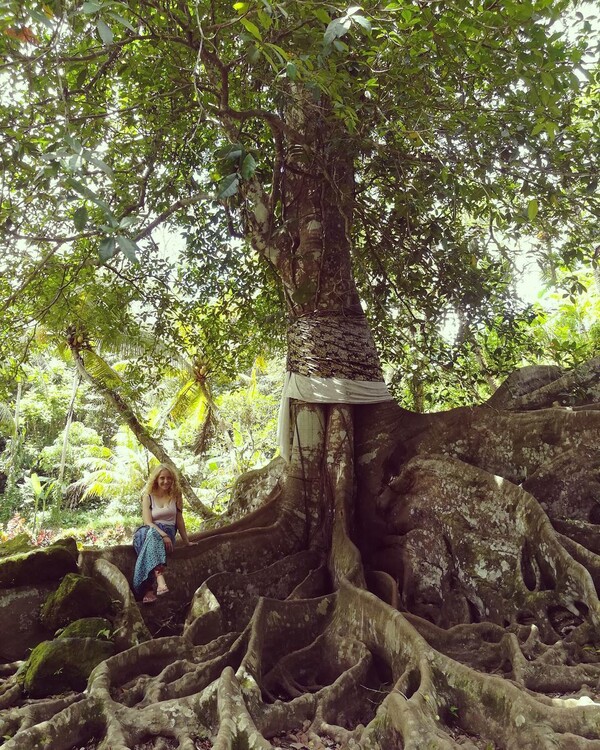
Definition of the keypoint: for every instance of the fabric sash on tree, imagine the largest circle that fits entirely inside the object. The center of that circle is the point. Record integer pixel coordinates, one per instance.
(331, 359)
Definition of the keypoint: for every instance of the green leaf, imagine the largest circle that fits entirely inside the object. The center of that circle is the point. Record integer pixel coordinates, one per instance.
(547, 80)
(362, 21)
(532, 209)
(36, 15)
(36, 485)
(337, 28)
(322, 15)
(228, 186)
(265, 19)
(91, 6)
(538, 127)
(107, 249)
(90, 195)
(230, 152)
(105, 33)
(248, 167)
(241, 7)
(123, 21)
(80, 218)
(252, 28)
(85, 191)
(100, 164)
(81, 77)
(291, 71)
(129, 248)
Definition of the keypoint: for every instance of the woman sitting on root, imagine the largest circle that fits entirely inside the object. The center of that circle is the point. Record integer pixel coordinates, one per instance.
(163, 518)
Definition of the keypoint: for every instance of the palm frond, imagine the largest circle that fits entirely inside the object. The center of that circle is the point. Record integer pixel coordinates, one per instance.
(205, 434)
(189, 398)
(7, 423)
(100, 370)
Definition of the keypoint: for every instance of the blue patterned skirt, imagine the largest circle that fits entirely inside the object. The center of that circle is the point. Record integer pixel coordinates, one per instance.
(150, 550)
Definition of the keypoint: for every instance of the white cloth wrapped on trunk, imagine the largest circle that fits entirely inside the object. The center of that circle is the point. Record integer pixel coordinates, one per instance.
(316, 390)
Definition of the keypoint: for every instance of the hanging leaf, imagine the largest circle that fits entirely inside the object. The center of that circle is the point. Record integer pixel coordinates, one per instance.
(532, 209)
(107, 249)
(248, 167)
(123, 21)
(322, 15)
(252, 28)
(105, 33)
(129, 248)
(231, 151)
(362, 21)
(337, 28)
(100, 164)
(228, 186)
(91, 7)
(80, 218)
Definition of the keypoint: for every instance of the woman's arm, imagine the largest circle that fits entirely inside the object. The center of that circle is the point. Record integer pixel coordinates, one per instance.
(181, 525)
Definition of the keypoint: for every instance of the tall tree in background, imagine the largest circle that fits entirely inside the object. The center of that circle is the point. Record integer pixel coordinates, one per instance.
(388, 155)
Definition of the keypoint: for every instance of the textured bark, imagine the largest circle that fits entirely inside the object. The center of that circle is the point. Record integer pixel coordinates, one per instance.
(402, 587)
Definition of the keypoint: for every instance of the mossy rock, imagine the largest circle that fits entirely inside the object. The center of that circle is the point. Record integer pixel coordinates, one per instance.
(63, 664)
(89, 627)
(77, 597)
(34, 566)
(16, 546)
(68, 543)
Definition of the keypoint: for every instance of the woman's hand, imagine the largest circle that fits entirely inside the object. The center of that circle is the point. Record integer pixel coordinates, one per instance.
(168, 543)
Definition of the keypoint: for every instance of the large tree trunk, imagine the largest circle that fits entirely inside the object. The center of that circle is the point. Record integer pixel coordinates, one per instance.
(416, 581)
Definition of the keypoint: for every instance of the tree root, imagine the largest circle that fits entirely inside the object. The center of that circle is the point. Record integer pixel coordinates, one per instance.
(478, 629)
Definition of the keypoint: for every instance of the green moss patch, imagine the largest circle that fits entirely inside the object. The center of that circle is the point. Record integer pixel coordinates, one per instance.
(16, 546)
(89, 627)
(63, 664)
(77, 597)
(31, 567)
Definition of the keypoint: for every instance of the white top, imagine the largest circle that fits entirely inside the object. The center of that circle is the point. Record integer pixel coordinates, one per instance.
(165, 513)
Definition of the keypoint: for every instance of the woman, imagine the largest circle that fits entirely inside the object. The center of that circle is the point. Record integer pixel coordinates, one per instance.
(163, 518)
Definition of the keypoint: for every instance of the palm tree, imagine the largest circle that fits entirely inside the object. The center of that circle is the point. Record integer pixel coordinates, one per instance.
(106, 381)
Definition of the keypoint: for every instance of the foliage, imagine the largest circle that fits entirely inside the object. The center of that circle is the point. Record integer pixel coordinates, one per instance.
(567, 328)
(471, 126)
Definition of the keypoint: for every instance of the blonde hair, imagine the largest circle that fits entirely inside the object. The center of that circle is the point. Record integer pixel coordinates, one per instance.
(150, 485)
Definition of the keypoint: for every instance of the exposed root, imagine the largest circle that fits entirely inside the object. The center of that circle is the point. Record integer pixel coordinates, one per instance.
(473, 623)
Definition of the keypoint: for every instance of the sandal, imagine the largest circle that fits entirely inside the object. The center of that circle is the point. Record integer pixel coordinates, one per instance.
(149, 597)
(161, 586)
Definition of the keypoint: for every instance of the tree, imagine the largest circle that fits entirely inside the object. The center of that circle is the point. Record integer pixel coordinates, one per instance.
(402, 556)
(105, 380)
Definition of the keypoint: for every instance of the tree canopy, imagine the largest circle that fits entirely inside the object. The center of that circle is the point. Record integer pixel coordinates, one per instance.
(471, 127)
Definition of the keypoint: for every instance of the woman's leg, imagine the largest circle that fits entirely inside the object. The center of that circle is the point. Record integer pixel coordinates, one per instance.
(161, 584)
